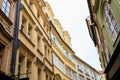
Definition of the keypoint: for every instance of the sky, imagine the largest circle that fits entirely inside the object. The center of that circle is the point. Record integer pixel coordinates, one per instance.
(72, 15)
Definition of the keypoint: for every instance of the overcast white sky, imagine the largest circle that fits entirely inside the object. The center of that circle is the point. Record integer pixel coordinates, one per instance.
(72, 15)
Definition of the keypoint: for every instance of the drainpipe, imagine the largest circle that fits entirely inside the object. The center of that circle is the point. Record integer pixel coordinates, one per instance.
(15, 38)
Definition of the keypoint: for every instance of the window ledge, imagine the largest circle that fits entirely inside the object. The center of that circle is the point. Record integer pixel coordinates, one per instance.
(28, 39)
(39, 51)
(6, 18)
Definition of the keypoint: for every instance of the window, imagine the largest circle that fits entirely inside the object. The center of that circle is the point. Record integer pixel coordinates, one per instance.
(92, 74)
(1, 52)
(22, 26)
(55, 40)
(45, 50)
(19, 67)
(61, 66)
(23, 23)
(38, 42)
(48, 56)
(119, 1)
(81, 77)
(28, 68)
(69, 72)
(87, 71)
(88, 79)
(29, 31)
(110, 22)
(79, 67)
(66, 53)
(74, 76)
(6, 7)
(55, 60)
(46, 77)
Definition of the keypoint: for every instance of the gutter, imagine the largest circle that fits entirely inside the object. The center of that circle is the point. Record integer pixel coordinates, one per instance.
(15, 38)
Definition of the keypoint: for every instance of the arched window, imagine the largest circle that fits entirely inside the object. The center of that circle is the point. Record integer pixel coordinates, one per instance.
(58, 77)
(110, 22)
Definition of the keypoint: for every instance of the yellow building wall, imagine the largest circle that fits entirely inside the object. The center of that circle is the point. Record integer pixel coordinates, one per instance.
(35, 45)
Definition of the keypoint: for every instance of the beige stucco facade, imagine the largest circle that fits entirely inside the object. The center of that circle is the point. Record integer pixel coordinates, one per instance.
(34, 57)
(6, 35)
(87, 72)
(44, 49)
(61, 50)
(63, 53)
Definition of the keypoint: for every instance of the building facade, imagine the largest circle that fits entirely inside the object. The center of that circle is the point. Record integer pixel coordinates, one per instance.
(85, 71)
(64, 67)
(104, 22)
(34, 46)
(7, 19)
(34, 52)
(62, 53)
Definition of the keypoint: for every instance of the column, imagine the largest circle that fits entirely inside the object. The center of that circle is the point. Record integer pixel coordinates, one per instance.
(24, 67)
(34, 34)
(42, 45)
(17, 62)
(43, 73)
(34, 70)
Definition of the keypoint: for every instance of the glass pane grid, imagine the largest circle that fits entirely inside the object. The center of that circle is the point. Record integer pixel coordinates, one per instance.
(6, 7)
(3, 9)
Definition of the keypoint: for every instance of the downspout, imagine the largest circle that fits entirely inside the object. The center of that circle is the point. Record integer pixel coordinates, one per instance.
(15, 38)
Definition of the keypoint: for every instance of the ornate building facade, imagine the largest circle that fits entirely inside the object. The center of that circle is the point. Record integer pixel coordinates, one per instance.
(33, 44)
(85, 71)
(34, 54)
(104, 28)
(7, 19)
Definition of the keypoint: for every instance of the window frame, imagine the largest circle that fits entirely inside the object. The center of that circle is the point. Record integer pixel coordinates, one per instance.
(119, 1)
(29, 31)
(6, 7)
(110, 21)
(2, 47)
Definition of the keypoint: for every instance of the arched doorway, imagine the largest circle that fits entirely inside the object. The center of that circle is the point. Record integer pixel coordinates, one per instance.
(57, 77)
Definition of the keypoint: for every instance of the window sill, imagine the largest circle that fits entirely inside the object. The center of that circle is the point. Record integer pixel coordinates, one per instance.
(48, 61)
(39, 51)
(27, 39)
(80, 70)
(5, 17)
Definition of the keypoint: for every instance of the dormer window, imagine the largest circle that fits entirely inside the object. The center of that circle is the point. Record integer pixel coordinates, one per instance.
(6, 7)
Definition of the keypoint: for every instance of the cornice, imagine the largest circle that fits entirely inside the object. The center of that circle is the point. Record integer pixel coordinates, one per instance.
(61, 37)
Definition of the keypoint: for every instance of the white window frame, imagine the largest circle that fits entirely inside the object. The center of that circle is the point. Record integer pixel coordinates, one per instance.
(55, 60)
(110, 22)
(6, 5)
(61, 66)
(119, 1)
